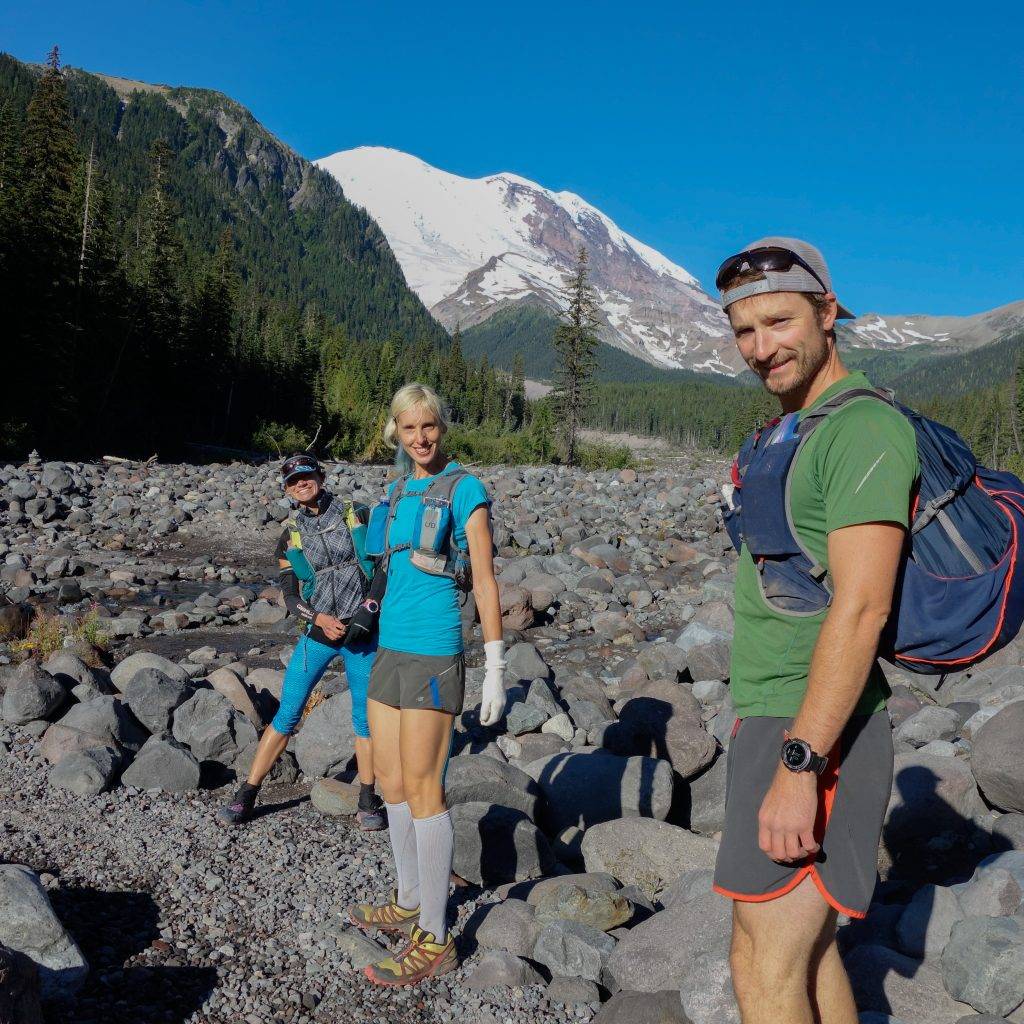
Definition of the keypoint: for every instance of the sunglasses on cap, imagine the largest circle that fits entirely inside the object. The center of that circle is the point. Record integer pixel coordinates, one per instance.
(772, 259)
(299, 465)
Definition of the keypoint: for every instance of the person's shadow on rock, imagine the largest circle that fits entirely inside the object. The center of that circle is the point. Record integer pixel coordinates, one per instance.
(926, 842)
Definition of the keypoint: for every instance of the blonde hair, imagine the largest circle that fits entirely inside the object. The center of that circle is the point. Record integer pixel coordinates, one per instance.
(410, 397)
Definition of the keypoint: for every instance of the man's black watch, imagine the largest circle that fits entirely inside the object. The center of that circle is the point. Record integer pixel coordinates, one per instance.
(797, 756)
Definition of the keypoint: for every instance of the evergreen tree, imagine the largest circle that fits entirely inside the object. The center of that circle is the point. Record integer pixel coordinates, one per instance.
(515, 403)
(43, 244)
(575, 345)
(453, 379)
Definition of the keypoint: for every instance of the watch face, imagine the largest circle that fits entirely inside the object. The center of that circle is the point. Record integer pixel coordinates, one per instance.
(795, 755)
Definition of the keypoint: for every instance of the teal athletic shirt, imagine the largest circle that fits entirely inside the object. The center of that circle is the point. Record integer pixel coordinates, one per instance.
(420, 612)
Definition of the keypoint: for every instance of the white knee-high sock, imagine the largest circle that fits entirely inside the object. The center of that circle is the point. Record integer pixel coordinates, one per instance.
(435, 849)
(403, 846)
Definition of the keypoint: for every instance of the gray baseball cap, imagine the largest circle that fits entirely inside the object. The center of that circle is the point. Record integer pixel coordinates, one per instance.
(796, 279)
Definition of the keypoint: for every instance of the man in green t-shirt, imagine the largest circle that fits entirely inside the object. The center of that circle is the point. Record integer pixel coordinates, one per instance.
(810, 761)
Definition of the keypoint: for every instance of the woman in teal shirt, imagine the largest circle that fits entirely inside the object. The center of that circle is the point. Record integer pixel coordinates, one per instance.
(436, 517)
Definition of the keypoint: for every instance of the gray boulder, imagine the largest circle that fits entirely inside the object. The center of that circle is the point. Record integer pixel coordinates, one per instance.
(326, 742)
(993, 893)
(996, 760)
(154, 697)
(573, 950)
(643, 1008)
(706, 991)
(654, 954)
(886, 981)
(523, 662)
(100, 722)
(1008, 831)
(707, 798)
(213, 730)
(927, 921)
(573, 992)
(125, 671)
(598, 787)
(707, 651)
(983, 964)
(29, 925)
(644, 852)
(87, 772)
(477, 778)
(494, 845)
(510, 926)
(71, 671)
(334, 797)
(928, 724)
(31, 694)
(499, 969)
(163, 764)
(524, 718)
(595, 908)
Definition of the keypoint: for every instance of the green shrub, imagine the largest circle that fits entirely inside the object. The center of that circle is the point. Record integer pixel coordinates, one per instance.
(279, 438)
(594, 455)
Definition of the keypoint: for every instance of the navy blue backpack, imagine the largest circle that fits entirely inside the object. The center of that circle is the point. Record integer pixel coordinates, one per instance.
(959, 595)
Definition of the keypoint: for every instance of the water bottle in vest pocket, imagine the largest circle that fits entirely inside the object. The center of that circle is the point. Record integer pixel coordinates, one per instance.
(430, 535)
(377, 530)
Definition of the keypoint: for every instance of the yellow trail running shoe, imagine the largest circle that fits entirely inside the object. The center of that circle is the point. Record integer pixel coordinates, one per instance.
(387, 918)
(424, 957)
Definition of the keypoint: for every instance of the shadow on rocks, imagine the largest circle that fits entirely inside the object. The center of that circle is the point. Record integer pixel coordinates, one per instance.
(924, 825)
(125, 984)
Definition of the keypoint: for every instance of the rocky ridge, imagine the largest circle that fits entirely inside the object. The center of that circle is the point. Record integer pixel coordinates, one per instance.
(586, 821)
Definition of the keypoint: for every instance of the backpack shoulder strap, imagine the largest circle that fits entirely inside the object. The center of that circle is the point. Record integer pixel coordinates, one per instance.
(813, 419)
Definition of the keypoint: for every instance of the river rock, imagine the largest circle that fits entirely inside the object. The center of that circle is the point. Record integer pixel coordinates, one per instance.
(154, 697)
(326, 742)
(886, 981)
(599, 787)
(994, 893)
(31, 694)
(927, 921)
(213, 730)
(87, 772)
(645, 852)
(601, 910)
(643, 1008)
(476, 777)
(334, 797)
(494, 845)
(19, 990)
(29, 925)
(707, 798)
(997, 761)
(102, 721)
(651, 956)
(125, 671)
(499, 969)
(927, 724)
(983, 963)
(511, 926)
(164, 764)
(573, 950)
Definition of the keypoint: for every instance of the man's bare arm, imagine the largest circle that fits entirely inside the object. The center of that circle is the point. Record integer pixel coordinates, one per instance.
(863, 563)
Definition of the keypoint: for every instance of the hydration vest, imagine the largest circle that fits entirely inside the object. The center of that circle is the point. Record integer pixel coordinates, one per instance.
(356, 518)
(959, 593)
(433, 548)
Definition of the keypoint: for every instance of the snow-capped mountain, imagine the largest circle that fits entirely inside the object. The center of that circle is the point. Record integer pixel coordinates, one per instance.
(951, 333)
(469, 247)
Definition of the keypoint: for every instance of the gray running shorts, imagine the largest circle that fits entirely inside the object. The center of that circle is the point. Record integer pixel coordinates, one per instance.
(854, 793)
(418, 681)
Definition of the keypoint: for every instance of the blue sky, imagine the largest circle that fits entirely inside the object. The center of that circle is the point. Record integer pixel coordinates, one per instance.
(892, 135)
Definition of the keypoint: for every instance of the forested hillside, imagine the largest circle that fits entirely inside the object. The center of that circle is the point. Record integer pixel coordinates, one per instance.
(172, 274)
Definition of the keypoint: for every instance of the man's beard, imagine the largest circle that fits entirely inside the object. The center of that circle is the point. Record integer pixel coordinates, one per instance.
(806, 363)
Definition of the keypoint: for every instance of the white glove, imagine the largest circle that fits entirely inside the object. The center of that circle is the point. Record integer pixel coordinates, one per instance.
(492, 704)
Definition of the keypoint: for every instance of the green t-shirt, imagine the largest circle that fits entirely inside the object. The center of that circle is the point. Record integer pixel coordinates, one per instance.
(858, 466)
